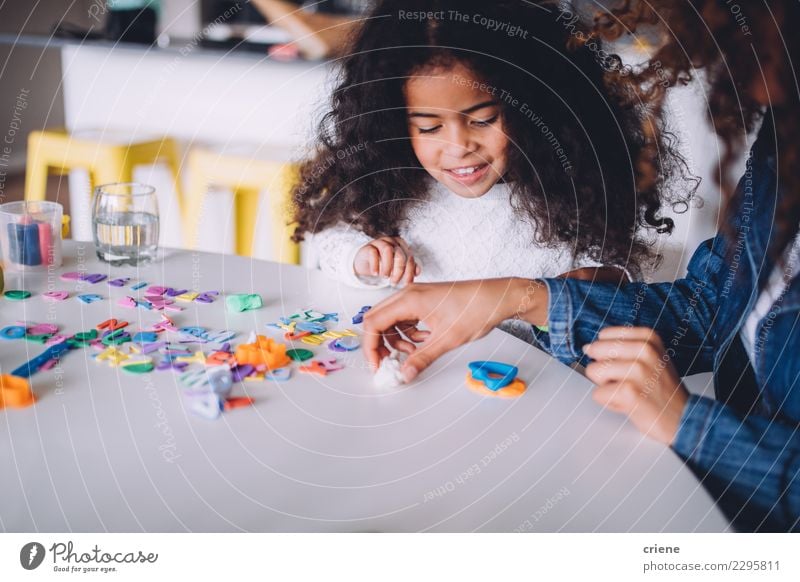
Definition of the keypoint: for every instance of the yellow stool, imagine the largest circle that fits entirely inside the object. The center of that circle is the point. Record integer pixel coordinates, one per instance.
(106, 162)
(246, 177)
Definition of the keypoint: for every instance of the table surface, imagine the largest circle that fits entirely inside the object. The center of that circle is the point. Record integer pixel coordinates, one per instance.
(104, 450)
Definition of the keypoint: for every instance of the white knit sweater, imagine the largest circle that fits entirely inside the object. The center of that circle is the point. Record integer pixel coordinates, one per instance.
(453, 239)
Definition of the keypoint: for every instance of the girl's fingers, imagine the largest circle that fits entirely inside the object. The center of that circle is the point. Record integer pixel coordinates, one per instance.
(366, 261)
(374, 259)
(405, 276)
(402, 244)
(410, 272)
(386, 251)
(398, 266)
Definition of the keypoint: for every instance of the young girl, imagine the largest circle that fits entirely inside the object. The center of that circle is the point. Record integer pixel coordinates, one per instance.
(466, 142)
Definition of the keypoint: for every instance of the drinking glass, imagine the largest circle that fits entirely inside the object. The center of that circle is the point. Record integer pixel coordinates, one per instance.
(125, 223)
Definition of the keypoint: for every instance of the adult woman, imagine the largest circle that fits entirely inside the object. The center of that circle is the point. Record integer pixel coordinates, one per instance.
(736, 312)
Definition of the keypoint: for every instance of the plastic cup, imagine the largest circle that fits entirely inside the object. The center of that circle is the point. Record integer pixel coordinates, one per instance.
(30, 235)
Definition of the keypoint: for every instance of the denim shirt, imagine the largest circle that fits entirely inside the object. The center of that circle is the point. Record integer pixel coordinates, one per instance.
(744, 445)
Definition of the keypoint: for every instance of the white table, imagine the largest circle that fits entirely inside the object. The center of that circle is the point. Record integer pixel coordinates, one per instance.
(103, 450)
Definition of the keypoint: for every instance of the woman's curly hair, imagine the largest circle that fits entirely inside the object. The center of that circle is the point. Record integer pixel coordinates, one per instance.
(730, 43)
(573, 141)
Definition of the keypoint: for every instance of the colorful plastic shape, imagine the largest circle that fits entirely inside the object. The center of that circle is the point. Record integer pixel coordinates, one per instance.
(90, 298)
(494, 375)
(127, 302)
(94, 278)
(29, 368)
(221, 359)
(219, 336)
(196, 358)
(344, 344)
(166, 324)
(220, 380)
(263, 351)
(116, 337)
(48, 328)
(279, 375)
(330, 364)
(112, 324)
(207, 297)
(56, 295)
(311, 327)
(513, 390)
(243, 302)
(208, 406)
(359, 317)
(314, 367)
(13, 332)
(144, 337)
(300, 355)
(239, 373)
(239, 402)
(16, 294)
(112, 355)
(15, 392)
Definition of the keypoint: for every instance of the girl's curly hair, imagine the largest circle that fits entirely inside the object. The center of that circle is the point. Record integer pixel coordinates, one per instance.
(573, 142)
(731, 44)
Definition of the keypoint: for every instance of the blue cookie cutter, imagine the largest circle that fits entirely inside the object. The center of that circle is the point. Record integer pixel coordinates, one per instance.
(481, 371)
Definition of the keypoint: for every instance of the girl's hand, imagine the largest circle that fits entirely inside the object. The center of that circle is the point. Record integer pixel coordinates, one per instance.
(453, 313)
(635, 376)
(388, 256)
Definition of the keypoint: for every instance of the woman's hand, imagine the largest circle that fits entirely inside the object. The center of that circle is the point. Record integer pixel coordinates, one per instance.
(635, 376)
(453, 313)
(388, 256)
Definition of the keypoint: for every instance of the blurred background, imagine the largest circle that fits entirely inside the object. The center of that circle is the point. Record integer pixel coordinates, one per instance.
(210, 101)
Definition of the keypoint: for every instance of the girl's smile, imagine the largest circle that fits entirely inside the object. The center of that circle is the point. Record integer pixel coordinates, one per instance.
(468, 175)
(456, 130)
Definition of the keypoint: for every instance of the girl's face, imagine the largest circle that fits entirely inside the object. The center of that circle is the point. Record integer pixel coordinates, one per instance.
(456, 129)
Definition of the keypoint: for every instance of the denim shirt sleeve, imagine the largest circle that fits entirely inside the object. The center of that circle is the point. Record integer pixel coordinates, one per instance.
(680, 311)
(753, 461)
